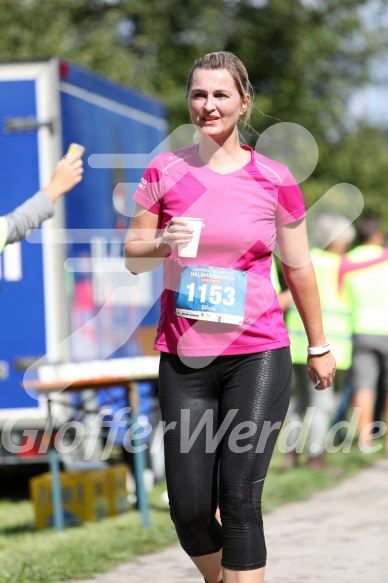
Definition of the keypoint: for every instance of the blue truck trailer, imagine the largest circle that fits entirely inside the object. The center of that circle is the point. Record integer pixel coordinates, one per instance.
(65, 296)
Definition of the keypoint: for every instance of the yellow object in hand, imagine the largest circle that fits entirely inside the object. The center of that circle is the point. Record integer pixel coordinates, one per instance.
(75, 149)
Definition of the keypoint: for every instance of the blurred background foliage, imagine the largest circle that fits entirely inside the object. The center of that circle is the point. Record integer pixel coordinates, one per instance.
(305, 59)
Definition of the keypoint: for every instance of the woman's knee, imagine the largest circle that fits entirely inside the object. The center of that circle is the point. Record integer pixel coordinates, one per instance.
(242, 505)
(186, 515)
(198, 531)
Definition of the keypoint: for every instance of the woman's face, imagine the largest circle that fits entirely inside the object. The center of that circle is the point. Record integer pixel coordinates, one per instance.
(214, 102)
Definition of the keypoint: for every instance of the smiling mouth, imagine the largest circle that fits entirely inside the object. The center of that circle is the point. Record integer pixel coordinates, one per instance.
(210, 118)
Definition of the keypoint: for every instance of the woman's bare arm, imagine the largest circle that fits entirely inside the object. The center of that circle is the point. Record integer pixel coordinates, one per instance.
(300, 277)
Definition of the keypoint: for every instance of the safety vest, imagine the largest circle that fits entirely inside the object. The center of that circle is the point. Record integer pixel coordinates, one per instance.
(367, 289)
(3, 232)
(336, 316)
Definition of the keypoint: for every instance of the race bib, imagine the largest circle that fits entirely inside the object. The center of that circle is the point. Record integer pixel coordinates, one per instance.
(215, 294)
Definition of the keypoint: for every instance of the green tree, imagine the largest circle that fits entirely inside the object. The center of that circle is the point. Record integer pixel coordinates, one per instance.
(360, 158)
(304, 57)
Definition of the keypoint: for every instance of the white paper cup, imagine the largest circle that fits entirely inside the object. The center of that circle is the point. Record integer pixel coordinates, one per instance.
(191, 249)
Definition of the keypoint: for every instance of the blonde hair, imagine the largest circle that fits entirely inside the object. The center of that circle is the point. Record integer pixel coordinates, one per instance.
(228, 61)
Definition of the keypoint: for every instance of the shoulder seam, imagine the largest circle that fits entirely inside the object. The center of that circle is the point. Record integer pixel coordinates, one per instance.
(258, 162)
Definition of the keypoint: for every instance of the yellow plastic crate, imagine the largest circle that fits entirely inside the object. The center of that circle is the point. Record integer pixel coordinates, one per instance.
(91, 494)
(116, 479)
(40, 493)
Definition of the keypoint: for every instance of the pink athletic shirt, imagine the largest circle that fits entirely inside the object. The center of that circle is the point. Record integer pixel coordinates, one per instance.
(241, 211)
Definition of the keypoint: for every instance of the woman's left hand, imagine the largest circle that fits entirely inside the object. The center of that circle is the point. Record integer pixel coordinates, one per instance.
(321, 370)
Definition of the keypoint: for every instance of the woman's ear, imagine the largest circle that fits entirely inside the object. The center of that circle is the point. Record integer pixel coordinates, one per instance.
(244, 103)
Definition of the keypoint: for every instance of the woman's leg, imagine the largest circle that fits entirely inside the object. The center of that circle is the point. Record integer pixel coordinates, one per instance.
(255, 390)
(257, 387)
(209, 566)
(189, 401)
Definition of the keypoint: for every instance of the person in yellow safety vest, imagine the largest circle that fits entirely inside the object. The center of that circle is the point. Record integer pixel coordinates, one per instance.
(338, 328)
(367, 288)
(29, 215)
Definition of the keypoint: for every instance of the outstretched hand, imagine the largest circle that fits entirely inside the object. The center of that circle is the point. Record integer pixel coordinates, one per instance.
(67, 174)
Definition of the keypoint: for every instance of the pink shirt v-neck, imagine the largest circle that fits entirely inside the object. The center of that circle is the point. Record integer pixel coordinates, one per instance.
(241, 211)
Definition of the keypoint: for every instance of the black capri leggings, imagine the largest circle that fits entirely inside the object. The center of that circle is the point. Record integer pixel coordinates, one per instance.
(250, 394)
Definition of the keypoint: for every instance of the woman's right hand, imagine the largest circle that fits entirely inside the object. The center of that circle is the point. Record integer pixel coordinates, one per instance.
(147, 245)
(176, 232)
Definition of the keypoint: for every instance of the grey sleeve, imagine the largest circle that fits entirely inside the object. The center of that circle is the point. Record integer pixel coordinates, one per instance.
(29, 215)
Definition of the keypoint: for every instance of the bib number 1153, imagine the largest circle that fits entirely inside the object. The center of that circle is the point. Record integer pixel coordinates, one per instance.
(214, 294)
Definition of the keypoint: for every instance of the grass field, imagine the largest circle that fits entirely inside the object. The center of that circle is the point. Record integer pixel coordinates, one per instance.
(31, 556)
